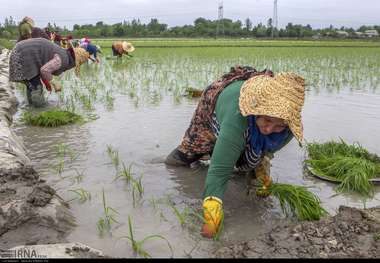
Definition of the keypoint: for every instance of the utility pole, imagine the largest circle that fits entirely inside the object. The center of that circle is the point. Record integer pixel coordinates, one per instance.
(220, 23)
(275, 18)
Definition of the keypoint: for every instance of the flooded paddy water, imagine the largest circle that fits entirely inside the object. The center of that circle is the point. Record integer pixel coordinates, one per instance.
(141, 113)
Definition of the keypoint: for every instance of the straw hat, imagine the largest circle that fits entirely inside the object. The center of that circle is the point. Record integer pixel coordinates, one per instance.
(81, 56)
(28, 20)
(281, 96)
(128, 47)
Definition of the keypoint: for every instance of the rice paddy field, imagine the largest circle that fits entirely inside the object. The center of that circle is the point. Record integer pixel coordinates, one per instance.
(111, 168)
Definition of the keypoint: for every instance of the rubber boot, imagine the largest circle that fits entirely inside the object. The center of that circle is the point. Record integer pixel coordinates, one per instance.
(35, 95)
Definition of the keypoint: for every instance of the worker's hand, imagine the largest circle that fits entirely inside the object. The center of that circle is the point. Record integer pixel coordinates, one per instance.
(56, 87)
(212, 215)
(262, 172)
(263, 191)
(47, 84)
(97, 60)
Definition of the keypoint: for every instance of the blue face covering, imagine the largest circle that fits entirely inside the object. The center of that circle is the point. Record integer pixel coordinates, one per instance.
(261, 143)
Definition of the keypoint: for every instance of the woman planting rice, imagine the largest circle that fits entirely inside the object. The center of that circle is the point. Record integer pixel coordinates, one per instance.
(241, 120)
(37, 59)
(122, 47)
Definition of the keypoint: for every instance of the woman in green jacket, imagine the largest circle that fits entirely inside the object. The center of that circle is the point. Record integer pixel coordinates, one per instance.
(240, 121)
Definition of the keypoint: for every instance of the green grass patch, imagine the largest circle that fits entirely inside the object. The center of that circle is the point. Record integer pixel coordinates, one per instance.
(51, 118)
(351, 165)
(5, 43)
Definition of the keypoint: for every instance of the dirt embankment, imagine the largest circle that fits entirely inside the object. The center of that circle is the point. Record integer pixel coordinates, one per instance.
(352, 233)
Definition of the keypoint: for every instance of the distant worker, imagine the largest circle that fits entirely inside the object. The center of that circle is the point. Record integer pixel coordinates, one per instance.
(83, 42)
(35, 60)
(93, 50)
(60, 40)
(27, 30)
(65, 41)
(122, 47)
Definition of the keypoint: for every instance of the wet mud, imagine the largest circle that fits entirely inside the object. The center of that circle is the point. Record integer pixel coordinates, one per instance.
(352, 233)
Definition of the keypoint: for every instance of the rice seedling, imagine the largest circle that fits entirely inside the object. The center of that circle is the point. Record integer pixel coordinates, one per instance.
(79, 176)
(134, 197)
(86, 102)
(220, 229)
(138, 186)
(63, 150)
(137, 245)
(70, 104)
(114, 156)
(296, 200)
(59, 167)
(109, 99)
(104, 223)
(81, 195)
(51, 118)
(350, 165)
(125, 173)
(137, 191)
(182, 216)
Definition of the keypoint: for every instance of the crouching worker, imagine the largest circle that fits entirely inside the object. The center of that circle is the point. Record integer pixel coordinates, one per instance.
(34, 61)
(122, 47)
(240, 121)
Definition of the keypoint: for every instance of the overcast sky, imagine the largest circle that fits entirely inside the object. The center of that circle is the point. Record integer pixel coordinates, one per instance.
(317, 13)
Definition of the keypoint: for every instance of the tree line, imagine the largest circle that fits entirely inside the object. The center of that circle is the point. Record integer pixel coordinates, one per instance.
(201, 28)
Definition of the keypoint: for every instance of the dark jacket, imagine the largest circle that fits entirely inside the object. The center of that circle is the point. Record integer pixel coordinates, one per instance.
(32, 54)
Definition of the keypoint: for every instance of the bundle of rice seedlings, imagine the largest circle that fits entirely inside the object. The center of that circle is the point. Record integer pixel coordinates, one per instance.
(351, 165)
(298, 201)
(51, 118)
(332, 148)
(193, 93)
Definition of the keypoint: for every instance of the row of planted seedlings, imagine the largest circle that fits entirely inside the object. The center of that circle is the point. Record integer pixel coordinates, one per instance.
(149, 78)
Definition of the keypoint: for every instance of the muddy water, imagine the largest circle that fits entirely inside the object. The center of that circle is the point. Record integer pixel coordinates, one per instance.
(145, 132)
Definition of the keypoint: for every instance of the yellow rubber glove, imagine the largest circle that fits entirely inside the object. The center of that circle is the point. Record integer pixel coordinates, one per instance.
(262, 172)
(212, 214)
